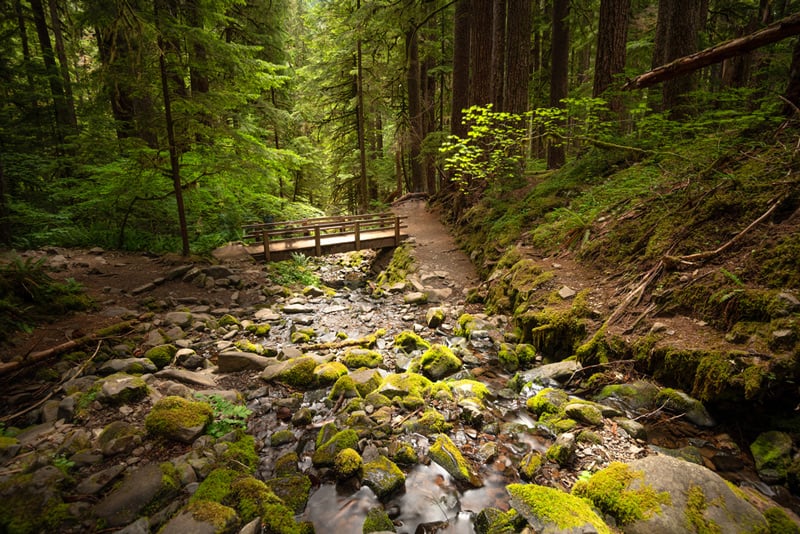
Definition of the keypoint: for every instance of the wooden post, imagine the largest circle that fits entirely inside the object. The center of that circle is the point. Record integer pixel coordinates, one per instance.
(358, 235)
(397, 231)
(266, 244)
(317, 244)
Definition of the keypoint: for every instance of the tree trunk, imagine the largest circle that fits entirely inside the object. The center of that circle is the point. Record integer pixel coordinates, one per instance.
(559, 74)
(428, 121)
(612, 40)
(62, 117)
(461, 55)
(498, 53)
(5, 224)
(480, 48)
(414, 111)
(174, 163)
(69, 100)
(363, 182)
(792, 93)
(26, 49)
(518, 52)
(684, 20)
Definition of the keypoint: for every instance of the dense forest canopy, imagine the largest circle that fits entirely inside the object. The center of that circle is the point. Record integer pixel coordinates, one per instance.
(167, 124)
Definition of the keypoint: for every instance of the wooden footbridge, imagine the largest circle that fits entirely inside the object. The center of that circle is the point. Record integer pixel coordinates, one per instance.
(324, 235)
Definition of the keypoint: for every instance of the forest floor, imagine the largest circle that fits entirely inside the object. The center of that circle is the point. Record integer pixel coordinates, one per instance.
(111, 279)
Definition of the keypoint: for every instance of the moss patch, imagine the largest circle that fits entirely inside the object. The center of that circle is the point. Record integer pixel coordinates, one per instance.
(171, 414)
(543, 506)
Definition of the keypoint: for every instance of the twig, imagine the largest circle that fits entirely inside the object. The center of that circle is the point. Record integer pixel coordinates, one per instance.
(605, 364)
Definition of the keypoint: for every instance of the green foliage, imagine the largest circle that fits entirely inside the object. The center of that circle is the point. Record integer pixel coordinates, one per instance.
(293, 272)
(227, 415)
(492, 152)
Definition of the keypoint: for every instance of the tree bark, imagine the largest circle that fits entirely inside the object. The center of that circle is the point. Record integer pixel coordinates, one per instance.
(792, 93)
(461, 55)
(414, 111)
(498, 53)
(518, 53)
(612, 40)
(559, 74)
(775, 32)
(58, 35)
(480, 48)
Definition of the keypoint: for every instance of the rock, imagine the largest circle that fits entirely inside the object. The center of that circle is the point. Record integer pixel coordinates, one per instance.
(137, 490)
(674, 496)
(187, 377)
(292, 489)
(434, 317)
(772, 453)
(439, 361)
(97, 481)
(161, 355)
(365, 380)
(679, 402)
(328, 373)
(189, 359)
(234, 361)
(178, 419)
(297, 372)
(122, 388)
(357, 358)
(445, 453)
(203, 517)
(347, 463)
(178, 318)
(547, 401)
(546, 374)
(584, 413)
(403, 384)
(417, 298)
(119, 437)
(633, 428)
(556, 512)
(297, 308)
(566, 292)
(267, 315)
(562, 450)
(377, 521)
(636, 396)
(383, 477)
(325, 454)
(127, 365)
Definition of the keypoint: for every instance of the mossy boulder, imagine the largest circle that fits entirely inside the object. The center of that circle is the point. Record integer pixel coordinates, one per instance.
(434, 317)
(296, 372)
(677, 401)
(281, 438)
(119, 437)
(228, 320)
(383, 477)
(329, 372)
(429, 423)
(240, 454)
(366, 380)
(550, 510)
(347, 463)
(122, 388)
(584, 413)
(530, 464)
(303, 335)
(547, 401)
(178, 419)
(377, 520)
(245, 345)
(638, 395)
(32, 502)
(260, 330)
(357, 358)
(253, 498)
(293, 490)
(345, 387)
(325, 454)
(403, 453)
(409, 341)
(772, 453)
(439, 361)
(555, 334)
(161, 355)
(402, 384)
(445, 453)
(466, 388)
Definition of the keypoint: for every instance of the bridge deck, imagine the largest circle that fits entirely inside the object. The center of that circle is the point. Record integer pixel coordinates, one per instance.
(325, 235)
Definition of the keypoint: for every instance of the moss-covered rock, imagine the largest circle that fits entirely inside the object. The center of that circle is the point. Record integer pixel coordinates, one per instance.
(357, 358)
(636, 395)
(366, 380)
(547, 401)
(161, 355)
(779, 521)
(383, 477)
(445, 453)
(325, 454)
(245, 345)
(121, 388)
(178, 418)
(345, 387)
(409, 341)
(260, 330)
(254, 499)
(610, 490)
(303, 335)
(329, 372)
(679, 402)
(402, 384)
(281, 438)
(377, 520)
(429, 423)
(296, 372)
(584, 413)
(547, 509)
(240, 454)
(347, 463)
(293, 490)
(403, 453)
(772, 453)
(530, 464)
(439, 361)
(465, 388)
(216, 487)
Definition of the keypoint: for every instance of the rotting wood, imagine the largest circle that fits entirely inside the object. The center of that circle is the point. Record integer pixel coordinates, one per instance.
(778, 31)
(34, 357)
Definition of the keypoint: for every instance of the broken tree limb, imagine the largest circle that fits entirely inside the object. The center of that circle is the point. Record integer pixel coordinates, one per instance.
(778, 31)
(34, 357)
(689, 259)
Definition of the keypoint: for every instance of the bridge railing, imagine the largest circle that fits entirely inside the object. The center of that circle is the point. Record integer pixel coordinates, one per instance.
(316, 233)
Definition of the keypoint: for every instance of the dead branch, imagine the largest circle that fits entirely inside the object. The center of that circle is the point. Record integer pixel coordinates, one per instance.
(703, 256)
(637, 292)
(34, 357)
(778, 31)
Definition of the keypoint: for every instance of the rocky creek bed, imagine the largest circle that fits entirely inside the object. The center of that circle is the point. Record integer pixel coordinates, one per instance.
(367, 404)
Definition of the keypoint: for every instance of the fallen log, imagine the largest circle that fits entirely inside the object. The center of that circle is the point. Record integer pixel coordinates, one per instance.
(777, 31)
(34, 357)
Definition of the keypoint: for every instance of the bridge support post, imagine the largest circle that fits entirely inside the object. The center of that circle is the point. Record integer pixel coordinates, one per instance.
(266, 245)
(358, 235)
(317, 244)
(397, 231)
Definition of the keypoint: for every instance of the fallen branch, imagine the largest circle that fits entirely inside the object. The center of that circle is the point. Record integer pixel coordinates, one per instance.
(637, 292)
(778, 31)
(34, 357)
(702, 256)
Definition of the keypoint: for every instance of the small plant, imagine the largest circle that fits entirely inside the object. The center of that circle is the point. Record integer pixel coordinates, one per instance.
(227, 415)
(63, 463)
(293, 272)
